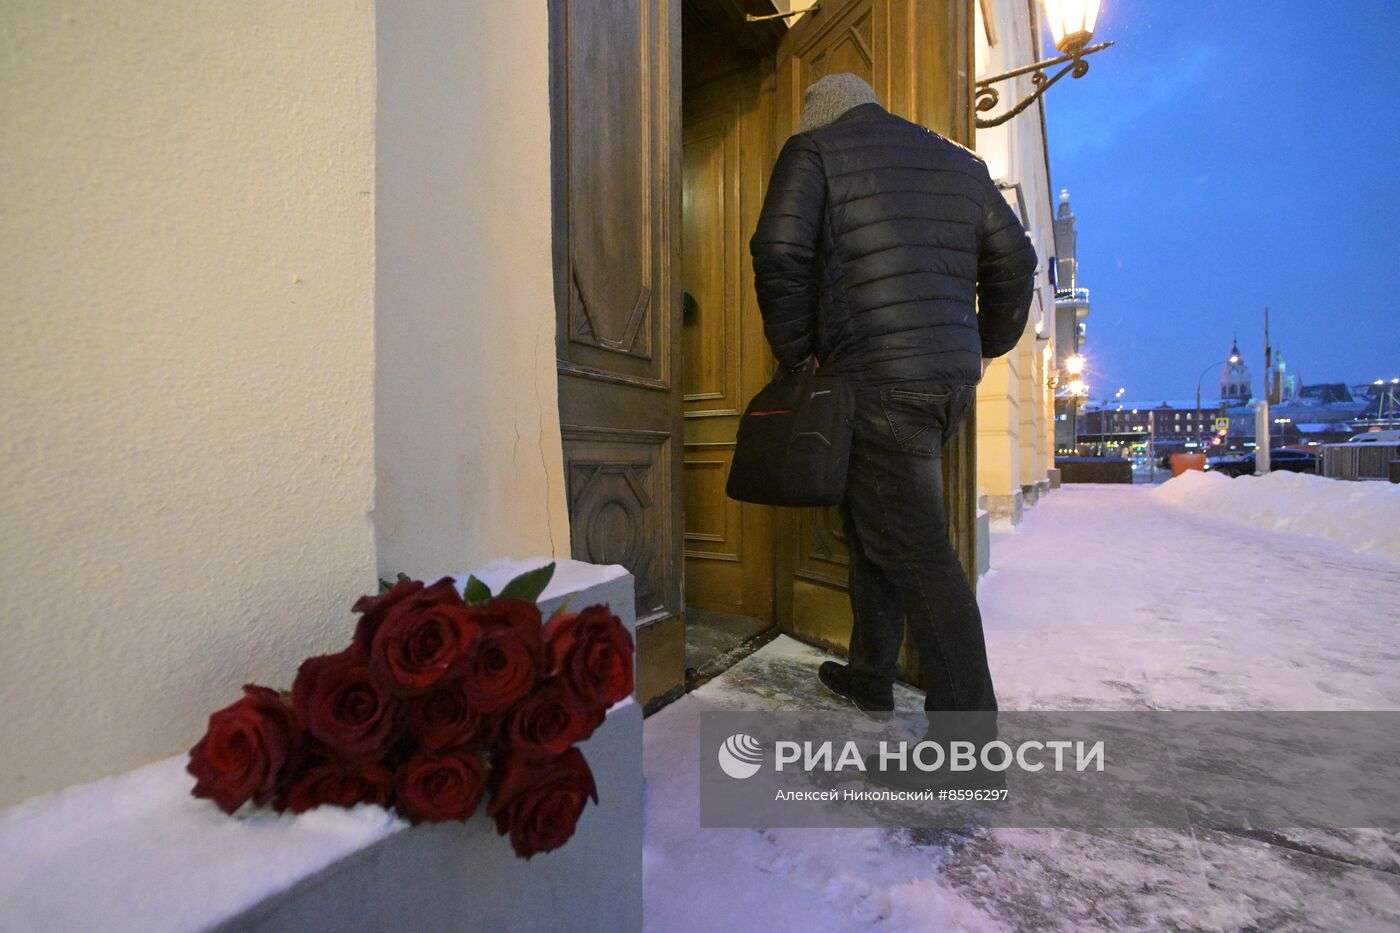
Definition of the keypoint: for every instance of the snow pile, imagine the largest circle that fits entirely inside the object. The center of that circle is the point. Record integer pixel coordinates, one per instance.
(136, 852)
(1363, 516)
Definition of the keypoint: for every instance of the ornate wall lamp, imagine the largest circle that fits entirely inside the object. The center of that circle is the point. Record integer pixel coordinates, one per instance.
(1072, 26)
(1072, 373)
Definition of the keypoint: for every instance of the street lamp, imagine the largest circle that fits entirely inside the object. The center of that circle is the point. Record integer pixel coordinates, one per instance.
(1072, 23)
(1074, 364)
(1072, 26)
(1200, 432)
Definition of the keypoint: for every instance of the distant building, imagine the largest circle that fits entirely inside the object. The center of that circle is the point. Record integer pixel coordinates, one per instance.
(1326, 393)
(1300, 415)
(1169, 424)
(1312, 416)
(1071, 311)
(1066, 241)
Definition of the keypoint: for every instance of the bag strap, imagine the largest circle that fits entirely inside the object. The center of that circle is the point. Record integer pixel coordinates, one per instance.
(828, 367)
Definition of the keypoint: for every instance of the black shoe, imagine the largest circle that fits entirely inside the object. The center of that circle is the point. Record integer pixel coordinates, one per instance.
(837, 678)
(913, 778)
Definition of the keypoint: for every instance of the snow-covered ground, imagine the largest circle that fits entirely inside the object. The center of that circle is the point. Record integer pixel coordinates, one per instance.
(1105, 597)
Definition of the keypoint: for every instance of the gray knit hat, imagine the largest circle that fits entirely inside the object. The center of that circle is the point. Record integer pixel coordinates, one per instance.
(827, 99)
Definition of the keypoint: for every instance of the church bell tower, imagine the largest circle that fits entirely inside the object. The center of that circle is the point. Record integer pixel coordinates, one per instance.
(1236, 387)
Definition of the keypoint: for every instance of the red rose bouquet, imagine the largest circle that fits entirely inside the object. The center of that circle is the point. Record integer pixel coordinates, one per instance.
(440, 701)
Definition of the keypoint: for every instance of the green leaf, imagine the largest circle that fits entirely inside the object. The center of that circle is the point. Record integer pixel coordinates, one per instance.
(476, 591)
(563, 608)
(530, 584)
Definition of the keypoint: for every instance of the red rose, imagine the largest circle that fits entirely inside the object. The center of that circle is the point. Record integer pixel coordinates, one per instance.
(340, 703)
(373, 609)
(445, 718)
(508, 657)
(414, 640)
(245, 751)
(592, 651)
(338, 783)
(539, 802)
(436, 788)
(550, 720)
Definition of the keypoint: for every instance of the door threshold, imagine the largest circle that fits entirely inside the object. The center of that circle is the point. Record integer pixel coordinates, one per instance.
(712, 668)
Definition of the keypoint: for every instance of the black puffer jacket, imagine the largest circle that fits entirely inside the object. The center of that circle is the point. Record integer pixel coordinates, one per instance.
(887, 249)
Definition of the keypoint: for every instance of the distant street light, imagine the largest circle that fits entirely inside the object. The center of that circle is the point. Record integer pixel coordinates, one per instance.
(1072, 25)
(1200, 422)
(1074, 365)
(1076, 390)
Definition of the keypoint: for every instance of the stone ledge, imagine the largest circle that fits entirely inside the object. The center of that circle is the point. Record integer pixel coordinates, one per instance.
(453, 877)
(983, 557)
(136, 852)
(1009, 507)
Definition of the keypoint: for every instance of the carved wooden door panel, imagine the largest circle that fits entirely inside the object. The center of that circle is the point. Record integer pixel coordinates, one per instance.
(726, 139)
(917, 56)
(614, 77)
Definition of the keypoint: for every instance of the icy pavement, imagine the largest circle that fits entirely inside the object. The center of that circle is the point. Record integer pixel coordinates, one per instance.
(1104, 598)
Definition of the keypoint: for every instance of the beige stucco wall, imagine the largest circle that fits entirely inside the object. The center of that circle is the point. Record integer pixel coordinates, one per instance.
(186, 379)
(470, 460)
(1013, 405)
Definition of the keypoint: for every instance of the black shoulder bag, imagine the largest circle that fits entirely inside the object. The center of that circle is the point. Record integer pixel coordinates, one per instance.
(794, 442)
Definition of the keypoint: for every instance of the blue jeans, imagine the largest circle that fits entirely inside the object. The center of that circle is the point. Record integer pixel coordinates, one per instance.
(903, 566)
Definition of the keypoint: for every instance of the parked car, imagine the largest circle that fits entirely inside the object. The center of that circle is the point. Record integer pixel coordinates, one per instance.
(1294, 461)
(1375, 437)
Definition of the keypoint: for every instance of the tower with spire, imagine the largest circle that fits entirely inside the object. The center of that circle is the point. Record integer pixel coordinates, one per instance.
(1283, 385)
(1066, 265)
(1236, 386)
(1071, 311)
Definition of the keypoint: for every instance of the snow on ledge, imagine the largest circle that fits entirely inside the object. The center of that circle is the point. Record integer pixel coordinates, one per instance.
(135, 852)
(1362, 516)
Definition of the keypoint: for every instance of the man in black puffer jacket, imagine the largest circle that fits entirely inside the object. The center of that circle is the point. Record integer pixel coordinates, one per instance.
(885, 250)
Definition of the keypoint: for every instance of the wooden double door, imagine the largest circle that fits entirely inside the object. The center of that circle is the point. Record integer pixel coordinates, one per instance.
(659, 171)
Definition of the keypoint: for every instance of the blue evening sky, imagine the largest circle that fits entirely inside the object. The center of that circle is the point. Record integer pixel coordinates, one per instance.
(1231, 154)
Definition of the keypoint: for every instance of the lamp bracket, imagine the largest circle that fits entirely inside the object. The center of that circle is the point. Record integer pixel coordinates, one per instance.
(987, 96)
(765, 17)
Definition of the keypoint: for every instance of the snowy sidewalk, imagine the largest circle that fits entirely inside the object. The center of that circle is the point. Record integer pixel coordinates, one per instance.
(1104, 598)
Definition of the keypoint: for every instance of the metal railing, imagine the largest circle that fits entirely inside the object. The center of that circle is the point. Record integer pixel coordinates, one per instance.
(1072, 294)
(1358, 461)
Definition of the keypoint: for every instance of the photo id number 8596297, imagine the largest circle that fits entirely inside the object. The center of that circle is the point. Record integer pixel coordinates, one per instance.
(978, 794)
